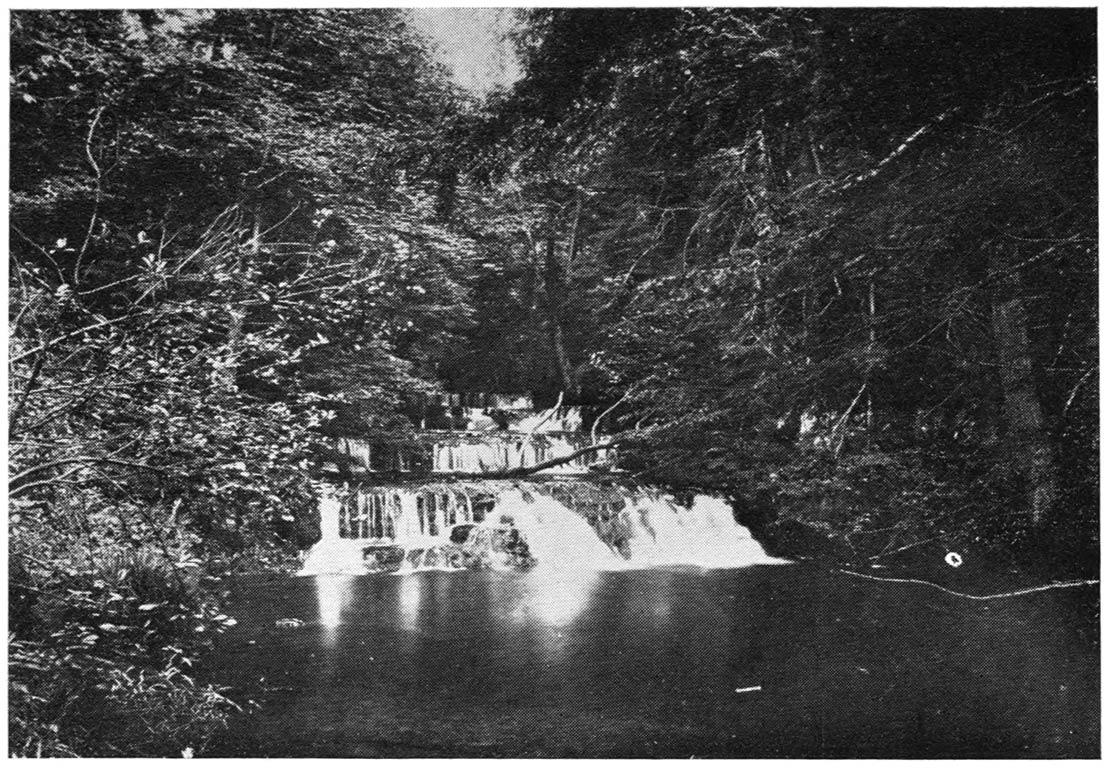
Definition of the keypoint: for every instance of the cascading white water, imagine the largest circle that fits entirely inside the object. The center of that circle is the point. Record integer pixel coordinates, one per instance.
(704, 535)
(555, 534)
(332, 553)
(642, 529)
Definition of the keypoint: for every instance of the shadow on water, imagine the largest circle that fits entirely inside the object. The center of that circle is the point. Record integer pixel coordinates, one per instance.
(755, 662)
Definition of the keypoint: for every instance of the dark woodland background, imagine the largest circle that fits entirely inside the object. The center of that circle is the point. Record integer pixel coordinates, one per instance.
(837, 265)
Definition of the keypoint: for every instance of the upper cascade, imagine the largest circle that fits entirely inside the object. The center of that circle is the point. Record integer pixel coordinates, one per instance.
(472, 434)
(490, 412)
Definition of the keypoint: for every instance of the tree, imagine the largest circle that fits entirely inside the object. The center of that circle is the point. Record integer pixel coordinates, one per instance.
(824, 227)
(225, 238)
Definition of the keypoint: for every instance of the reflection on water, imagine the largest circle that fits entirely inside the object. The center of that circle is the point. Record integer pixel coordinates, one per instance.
(409, 595)
(554, 596)
(757, 662)
(660, 599)
(333, 594)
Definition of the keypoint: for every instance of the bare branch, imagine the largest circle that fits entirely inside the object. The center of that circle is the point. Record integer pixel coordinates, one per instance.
(98, 196)
(1077, 386)
(844, 418)
(14, 481)
(1015, 593)
(549, 413)
(59, 339)
(40, 249)
(899, 150)
(609, 409)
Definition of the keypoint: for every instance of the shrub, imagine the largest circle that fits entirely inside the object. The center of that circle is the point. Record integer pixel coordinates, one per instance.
(100, 647)
(68, 702)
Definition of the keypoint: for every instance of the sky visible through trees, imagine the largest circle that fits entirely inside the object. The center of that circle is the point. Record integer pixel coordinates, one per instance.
(473, 43)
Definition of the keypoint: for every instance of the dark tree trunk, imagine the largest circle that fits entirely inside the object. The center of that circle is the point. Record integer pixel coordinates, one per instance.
(555, 282)
(228, 377)
(1026, 438)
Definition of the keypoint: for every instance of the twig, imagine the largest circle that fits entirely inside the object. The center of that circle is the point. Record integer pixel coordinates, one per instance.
(1073, 393)
(1016, 593)
(549, 413)
(21, 403)
(846, 416)
(886, 552)
(98, 199)
(13, 482)
(610, 408)
(59, 339)
(900, 150)
(43, 251)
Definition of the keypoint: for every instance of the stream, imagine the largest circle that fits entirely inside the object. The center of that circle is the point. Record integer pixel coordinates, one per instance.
(758, 661)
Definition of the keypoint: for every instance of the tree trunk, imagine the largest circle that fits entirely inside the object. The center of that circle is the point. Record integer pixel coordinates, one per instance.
(555, 283)
(871, 351)
(236, 312)
(228, 377)
(1026, 439)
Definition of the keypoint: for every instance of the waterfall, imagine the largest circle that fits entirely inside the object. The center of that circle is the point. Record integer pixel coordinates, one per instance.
(704, 535)
(332, 554)
(556, 535)
(572, 525)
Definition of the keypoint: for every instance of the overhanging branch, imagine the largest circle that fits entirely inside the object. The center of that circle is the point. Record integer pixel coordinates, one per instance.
(17, 482)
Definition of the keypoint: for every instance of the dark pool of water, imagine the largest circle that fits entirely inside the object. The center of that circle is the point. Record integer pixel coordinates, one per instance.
(656, 664)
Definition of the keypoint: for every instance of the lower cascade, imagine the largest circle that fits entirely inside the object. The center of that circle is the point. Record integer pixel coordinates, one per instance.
(569, 524)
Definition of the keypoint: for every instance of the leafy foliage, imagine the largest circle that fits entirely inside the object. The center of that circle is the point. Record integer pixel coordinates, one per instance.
(837, 264)
(225, 241)
(817, 243)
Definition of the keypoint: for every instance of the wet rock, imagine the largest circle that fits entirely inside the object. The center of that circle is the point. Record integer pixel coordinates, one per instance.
(383, 558)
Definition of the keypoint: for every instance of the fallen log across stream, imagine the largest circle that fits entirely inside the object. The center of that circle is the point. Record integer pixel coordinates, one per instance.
(516, 472)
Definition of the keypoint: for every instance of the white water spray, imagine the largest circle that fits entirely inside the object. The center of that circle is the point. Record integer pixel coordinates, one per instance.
(704, 535)
(332, 554)
(556, 536)
(412, 524)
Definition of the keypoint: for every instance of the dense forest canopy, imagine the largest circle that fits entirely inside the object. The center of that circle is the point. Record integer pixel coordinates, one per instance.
(839, 265)
(866, 233)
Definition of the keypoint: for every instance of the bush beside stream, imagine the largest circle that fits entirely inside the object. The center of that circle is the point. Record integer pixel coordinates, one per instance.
(104, 632)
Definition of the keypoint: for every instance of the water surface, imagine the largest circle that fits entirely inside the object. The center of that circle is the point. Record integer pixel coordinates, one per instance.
(773, 661)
